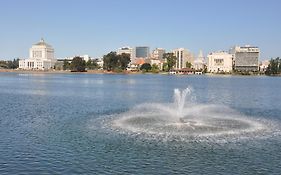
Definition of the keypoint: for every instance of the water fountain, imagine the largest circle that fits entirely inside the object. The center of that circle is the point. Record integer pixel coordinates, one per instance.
(189, 122)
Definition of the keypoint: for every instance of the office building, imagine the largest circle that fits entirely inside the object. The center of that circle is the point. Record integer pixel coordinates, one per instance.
(246, 58)
(219, 62)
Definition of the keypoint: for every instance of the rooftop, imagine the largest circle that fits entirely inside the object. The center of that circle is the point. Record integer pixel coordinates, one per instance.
(42, 43)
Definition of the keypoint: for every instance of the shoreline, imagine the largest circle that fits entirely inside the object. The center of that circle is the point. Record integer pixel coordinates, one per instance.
(116, 73)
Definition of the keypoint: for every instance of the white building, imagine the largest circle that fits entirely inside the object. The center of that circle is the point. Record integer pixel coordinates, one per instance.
(199, 63)
(158, 53)
(100, 62)
(86, 58)
(264, 65)
(127, 50)
(183, 56)
(41, 57)
(219, 62)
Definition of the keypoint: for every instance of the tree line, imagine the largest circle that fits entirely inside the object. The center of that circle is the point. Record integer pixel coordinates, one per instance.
(77, 64)
(114, 62)
(274, 67)
(13, 64)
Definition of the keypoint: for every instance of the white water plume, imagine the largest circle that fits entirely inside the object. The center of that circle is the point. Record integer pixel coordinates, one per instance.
(192, 122)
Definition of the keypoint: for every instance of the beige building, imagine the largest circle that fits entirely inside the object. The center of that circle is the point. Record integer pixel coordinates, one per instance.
(127, 50)
(158, 53)
(41, 57)
(219, 62)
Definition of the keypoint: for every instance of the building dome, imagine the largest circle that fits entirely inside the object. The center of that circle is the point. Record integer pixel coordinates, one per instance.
(42, 43)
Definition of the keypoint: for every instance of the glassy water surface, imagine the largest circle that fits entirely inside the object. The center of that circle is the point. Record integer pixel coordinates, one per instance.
(66, 124)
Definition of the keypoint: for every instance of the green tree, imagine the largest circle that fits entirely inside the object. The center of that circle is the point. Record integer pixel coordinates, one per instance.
(3, 64)
(66, 65)
(91, 64)
(78, 65)
(274, 67)
(154, 68)
(145, 67)
(10, 64)
(110, 61)
(165, 67)
(188, 64)
(171, 60)
(114, 62)
(124, 60)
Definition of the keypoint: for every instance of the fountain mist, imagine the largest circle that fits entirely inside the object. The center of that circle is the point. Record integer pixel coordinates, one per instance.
(179, 101)
(195, 122)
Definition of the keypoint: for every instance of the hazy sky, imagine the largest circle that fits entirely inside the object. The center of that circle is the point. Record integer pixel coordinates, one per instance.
(96, 27)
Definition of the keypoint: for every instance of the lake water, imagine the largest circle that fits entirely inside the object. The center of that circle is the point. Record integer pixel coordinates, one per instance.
(61, 124)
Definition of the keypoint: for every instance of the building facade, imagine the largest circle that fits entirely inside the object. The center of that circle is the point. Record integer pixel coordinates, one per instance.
(183, 56)
(127, 50)
(264, 65)
(246, 58)
(219, 62)
(158, 53)
(142, 52)
(41, 57)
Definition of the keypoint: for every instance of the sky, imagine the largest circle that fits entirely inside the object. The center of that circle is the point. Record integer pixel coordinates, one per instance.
(96, 27)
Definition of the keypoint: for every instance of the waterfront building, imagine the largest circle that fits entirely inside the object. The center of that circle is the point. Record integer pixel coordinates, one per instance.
(183, 71)
(219, 62)
(142, 52)
(183, 56)
(158, 53)
(41, 57)
(246, 58)
(199, 63)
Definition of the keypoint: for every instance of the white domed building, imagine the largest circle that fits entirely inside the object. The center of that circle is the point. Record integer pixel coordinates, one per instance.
(199, 63)
(41, 57)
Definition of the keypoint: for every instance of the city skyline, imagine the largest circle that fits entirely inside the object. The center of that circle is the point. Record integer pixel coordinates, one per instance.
(96, 28)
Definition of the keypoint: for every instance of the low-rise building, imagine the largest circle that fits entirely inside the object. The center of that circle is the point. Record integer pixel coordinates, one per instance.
(219, 62)
(264, 65)
(158, 62)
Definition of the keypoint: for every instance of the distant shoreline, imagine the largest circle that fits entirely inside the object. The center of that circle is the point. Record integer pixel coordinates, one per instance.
(113, 73)
(63, 72)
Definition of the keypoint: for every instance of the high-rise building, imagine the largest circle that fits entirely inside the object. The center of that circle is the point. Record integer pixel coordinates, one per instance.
(142, 52)
(183, 56)
(41, 57)
(219, 62)
(158, 53)
(246, 58)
